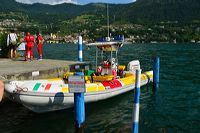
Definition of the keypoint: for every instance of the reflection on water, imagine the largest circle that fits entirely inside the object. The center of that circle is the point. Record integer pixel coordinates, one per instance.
(173, 109)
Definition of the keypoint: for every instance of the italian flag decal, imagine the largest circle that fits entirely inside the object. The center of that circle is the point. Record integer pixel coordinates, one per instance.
(45, 87)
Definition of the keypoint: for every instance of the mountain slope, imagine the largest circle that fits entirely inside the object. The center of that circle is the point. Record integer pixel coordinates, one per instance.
(139, 11)
(164, 10)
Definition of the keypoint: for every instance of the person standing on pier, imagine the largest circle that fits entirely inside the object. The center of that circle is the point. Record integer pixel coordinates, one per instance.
(29, 39)
(39, 41)
(1, 90)
(12, 43)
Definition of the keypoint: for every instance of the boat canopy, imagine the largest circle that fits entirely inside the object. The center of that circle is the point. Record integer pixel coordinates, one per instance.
(107, 46)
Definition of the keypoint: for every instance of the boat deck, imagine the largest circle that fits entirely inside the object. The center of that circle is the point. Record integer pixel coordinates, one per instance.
(18, 69)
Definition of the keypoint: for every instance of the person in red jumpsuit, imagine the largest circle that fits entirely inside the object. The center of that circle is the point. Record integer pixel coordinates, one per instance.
(29, 39)
(39, 41)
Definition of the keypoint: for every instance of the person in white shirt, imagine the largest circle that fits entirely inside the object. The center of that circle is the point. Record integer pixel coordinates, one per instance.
(12, 43)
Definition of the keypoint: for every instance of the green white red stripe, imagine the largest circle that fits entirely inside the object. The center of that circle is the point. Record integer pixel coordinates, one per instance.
(36, 87)
(46, 87)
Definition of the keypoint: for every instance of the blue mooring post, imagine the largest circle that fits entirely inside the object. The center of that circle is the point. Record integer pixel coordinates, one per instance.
(79, 107)
(156, 71)
(136, 107)
(79, 104)
(80, 48)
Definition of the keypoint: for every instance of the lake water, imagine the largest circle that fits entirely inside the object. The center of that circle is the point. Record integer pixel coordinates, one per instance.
(174, 108)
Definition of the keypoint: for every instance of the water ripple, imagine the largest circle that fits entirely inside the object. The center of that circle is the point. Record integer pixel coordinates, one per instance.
(174, 108)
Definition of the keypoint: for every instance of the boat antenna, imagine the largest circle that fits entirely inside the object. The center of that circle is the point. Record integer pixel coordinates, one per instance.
(108, 21)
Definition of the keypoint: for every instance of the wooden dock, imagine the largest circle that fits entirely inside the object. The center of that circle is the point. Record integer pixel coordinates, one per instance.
(18, 69)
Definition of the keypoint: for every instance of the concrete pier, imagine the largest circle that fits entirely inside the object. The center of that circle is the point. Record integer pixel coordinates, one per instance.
(18, 69)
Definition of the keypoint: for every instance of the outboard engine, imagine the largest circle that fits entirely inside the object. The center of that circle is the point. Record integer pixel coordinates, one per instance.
(133, 65)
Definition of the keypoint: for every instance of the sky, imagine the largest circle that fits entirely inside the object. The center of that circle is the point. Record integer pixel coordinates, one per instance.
(53, 2)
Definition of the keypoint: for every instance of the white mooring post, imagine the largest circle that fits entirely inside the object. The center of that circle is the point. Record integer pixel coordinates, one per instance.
(135, 119)
(80, 48)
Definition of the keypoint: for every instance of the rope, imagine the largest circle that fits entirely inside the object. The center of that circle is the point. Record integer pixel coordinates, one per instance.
(17, 89)
(148, 77)
(20, 89)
